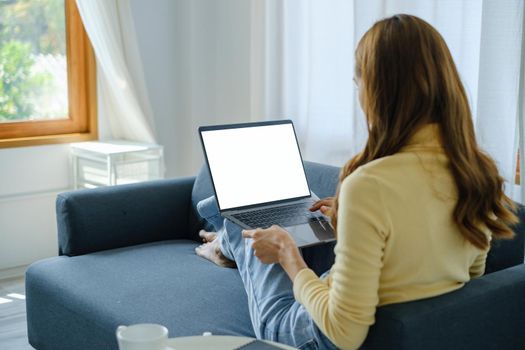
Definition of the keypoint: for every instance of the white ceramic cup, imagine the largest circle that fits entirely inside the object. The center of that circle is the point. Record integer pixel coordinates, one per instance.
(143, 336)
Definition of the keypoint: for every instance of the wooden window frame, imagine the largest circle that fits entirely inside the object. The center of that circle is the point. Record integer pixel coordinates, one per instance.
(82, 96)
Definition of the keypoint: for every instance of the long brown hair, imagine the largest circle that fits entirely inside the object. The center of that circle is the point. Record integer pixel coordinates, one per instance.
(409, 79)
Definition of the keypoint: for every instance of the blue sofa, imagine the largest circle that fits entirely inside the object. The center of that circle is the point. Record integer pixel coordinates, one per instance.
(126, 255)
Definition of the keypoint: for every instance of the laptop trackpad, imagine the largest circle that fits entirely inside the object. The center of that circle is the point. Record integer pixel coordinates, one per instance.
(311, 233)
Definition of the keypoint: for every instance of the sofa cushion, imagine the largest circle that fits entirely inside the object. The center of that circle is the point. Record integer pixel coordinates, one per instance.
(164, 282)
(202, 189)
(322, 179)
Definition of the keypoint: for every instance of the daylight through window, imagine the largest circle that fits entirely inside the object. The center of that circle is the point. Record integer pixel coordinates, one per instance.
(46, 74)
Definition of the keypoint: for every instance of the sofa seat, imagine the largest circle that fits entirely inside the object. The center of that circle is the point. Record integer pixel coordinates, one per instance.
(162, 282)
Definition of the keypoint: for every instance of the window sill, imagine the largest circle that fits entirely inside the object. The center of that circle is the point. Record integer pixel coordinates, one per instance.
(48, 140)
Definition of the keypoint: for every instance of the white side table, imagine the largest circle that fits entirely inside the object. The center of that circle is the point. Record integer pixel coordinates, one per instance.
(215, 342)
(115, 162)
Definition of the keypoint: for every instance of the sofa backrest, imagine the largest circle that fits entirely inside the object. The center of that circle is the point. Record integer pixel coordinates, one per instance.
(507, 253)
(323, 181)
(321, 178)
(202, 188)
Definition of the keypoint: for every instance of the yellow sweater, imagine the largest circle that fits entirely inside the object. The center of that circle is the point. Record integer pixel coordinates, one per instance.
(396, 241)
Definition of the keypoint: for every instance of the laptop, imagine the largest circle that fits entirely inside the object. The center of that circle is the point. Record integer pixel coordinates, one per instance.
(259, 179)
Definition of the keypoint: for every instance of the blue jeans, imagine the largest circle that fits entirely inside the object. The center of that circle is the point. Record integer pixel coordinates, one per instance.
(274, 312)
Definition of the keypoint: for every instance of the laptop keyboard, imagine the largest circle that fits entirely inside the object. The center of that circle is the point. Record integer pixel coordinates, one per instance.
(288, 215)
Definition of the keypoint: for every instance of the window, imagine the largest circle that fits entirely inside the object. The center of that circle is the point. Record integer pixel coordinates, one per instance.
(47, 74)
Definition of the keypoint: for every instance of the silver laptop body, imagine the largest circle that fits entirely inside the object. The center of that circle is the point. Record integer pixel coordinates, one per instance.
(258, 177)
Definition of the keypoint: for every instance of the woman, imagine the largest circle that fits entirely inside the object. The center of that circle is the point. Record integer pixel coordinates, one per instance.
(414, 211)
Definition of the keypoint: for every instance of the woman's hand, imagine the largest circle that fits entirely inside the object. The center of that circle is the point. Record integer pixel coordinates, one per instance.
(275, 245)
(324, 205)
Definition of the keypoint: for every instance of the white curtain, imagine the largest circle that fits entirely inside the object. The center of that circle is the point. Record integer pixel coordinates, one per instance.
(308, 67)
(498, 99)
(123, 100)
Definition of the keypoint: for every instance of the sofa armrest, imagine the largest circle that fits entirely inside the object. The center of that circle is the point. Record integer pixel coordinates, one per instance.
(487, 313)
(120, 216)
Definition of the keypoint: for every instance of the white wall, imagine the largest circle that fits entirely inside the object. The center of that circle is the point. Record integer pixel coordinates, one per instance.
(30, 178)
(196, 56)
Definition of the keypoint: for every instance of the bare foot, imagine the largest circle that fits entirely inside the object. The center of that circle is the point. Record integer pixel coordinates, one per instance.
(212, 252)
(207, 236)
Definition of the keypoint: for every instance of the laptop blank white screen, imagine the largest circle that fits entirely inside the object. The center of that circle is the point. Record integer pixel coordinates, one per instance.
(253, 165)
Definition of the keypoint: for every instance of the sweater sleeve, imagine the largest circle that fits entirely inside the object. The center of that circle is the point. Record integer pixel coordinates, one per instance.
(345, 308)
(477, 269)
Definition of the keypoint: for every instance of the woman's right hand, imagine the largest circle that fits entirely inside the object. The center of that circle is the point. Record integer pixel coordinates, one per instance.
(324, 205)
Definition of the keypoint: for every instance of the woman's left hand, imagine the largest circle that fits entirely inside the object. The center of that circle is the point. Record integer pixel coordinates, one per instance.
(275, 245)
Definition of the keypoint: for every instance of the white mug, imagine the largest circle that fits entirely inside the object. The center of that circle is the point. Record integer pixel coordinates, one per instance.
(144, 336)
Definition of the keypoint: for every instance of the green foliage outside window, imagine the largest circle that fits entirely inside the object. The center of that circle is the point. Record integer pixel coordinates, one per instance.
(29, 30)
